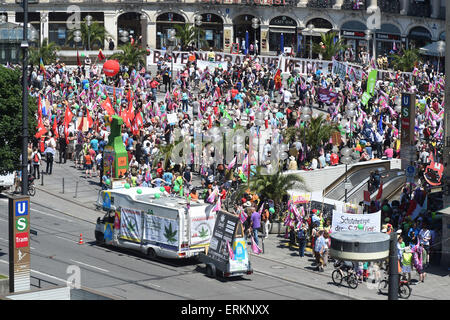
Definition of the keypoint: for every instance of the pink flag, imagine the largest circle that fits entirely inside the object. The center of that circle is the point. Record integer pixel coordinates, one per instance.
(243, 216)
(232, 163)
(230, 251)
(218, 205)
(255, 248)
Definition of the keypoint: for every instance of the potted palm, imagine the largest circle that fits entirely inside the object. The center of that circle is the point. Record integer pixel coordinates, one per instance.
(274, 187)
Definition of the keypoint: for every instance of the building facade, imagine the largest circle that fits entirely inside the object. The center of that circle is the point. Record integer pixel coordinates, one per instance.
(279, 23)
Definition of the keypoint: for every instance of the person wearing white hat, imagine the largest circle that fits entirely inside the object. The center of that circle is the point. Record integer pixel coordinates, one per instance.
(292, 163)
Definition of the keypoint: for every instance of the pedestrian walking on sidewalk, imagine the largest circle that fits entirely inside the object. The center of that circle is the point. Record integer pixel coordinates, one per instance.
(50, 154)
(319, 250)
(36, 160)
(88, 164)
(301, 235)
(265, 217)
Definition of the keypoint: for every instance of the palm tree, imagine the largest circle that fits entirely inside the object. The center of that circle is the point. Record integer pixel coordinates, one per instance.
(131, 55)
(273, 187)
(95, 33)
(188, 35)
(316, 133)
(329, 46)
(406, 60)
(47, 51)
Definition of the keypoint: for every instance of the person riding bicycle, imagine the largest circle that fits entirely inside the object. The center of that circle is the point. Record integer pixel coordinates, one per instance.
(344, 265)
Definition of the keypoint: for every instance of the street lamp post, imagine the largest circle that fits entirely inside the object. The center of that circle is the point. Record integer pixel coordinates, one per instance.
(198, 23)
(346, 159)
(310, 29)
(255, 26)
(172, 38)
(305, 117)
(259, 122)
(351, 113)
(24, 46)
(89, 23)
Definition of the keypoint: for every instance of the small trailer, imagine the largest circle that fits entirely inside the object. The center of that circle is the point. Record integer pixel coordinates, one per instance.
(227, 255)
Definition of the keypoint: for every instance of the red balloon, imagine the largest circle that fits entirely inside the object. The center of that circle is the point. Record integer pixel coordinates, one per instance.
(111, 67)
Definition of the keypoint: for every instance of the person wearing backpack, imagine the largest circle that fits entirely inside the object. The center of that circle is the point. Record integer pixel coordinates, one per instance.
(266, 222)
(301, 235)
(50, 153)
(36, 160)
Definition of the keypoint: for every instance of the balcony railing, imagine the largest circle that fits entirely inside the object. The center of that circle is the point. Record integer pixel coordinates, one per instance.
(418, 9)
(389, 6)
(354, 5)
(320, 3)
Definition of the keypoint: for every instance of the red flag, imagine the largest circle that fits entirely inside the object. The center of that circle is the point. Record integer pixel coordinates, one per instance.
(380, 192)
(78, 59)
(40, 108)
(106, 105)
(55, 129)
(366, 197)
(126, 119)
(80, 126)
(41, 131)
(68, 116)
(101, 56)
(130, 111)
(278, 80)
(138, 119)
(89, 119)
(66, 132)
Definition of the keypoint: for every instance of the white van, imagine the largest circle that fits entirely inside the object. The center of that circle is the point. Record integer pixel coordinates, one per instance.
(165, 226)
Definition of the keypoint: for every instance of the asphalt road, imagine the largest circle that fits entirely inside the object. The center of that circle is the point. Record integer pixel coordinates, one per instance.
(129, 275)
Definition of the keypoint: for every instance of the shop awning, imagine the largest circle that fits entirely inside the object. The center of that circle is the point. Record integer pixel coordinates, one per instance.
(317, 32)
(282, 29)
(435, 49)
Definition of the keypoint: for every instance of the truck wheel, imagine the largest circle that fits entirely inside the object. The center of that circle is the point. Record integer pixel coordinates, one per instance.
(210, 270)
(99, 240)
(151, 253)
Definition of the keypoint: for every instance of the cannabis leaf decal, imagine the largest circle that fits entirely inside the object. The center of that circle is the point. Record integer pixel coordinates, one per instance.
(203, 233)
(131, 226)
(170, 234)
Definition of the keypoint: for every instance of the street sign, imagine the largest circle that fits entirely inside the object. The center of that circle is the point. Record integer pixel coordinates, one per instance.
(348, 185)
(19, 243)
(410, 174)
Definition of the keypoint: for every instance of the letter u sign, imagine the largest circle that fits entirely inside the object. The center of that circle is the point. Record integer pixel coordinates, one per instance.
(21, 208)
(405, 100)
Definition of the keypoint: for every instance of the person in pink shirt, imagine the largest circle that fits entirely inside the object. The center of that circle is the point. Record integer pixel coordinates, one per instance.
(389, 153)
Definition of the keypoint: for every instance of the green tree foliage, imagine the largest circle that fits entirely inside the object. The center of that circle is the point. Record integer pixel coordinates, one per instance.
(318, 132)
(330, 47)
(272, 186)
(11, 118)
(406, 60)
(96, 33)
(47, 51)
(188, 35)
(131, 55)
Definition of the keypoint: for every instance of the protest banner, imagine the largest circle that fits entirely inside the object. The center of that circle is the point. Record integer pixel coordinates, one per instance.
(351, 222)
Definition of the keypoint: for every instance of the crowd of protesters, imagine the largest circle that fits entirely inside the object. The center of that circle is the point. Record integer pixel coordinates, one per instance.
(73, 121)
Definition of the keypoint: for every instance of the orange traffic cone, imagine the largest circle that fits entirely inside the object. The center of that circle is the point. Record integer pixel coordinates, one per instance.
(81, 239)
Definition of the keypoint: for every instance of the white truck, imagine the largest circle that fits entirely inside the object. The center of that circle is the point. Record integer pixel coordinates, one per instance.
(7, 181)
(156, 225)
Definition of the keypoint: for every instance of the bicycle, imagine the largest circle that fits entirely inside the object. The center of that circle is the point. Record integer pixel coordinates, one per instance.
(350, 276)
(404, 290)
(31, 187)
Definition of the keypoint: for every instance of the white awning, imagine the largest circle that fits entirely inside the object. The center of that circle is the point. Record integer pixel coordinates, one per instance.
(317, 32)
(282, 29)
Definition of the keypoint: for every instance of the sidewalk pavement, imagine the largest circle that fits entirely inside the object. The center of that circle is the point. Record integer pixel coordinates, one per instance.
(277, 259)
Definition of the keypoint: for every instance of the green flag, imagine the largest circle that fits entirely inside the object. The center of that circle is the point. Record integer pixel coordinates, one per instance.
(371, 81)
(365, 98)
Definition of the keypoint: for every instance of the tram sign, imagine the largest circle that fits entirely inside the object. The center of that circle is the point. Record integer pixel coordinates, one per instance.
(408, 116)
(19, 243)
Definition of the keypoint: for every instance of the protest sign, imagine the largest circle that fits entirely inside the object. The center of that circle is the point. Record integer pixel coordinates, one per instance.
(351, 222)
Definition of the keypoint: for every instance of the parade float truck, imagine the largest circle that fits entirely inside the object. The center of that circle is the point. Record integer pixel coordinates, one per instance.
(154, 223)
(227, 255)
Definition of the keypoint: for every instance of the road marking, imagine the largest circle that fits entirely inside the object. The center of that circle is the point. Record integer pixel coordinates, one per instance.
(41, 273)
(51, 215)
(4, 240)
(72, 241)
(88, 265)
(4, 219)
